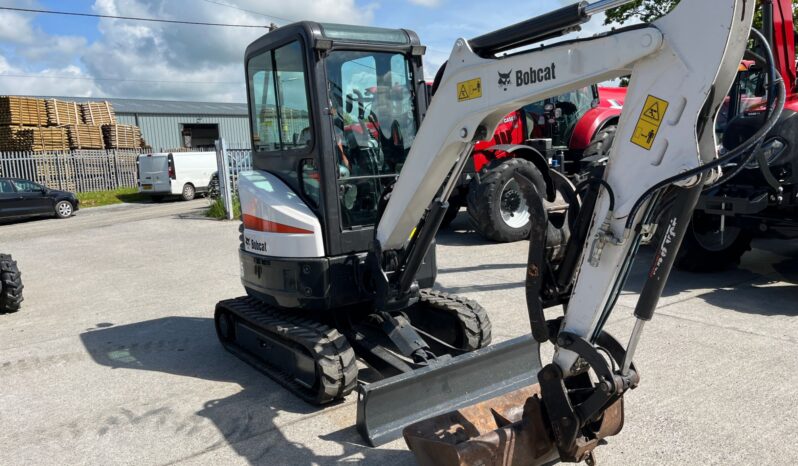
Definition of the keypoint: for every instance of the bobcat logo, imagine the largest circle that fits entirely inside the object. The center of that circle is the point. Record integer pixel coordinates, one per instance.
(504, 79)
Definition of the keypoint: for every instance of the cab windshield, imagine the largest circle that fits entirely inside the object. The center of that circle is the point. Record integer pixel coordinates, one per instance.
(557, 117)
(374, 123)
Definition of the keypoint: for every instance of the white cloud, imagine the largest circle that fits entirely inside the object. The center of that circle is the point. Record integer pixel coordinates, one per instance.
(189, 62)
(426, 3)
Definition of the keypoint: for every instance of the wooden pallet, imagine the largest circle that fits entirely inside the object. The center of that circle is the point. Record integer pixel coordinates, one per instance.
(27, 111)
(61, 113)
(21, 138)
(98, 113)
(85, 137)
(122, 136)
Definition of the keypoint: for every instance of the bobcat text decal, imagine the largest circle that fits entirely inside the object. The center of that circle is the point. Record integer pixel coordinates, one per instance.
(670, 235)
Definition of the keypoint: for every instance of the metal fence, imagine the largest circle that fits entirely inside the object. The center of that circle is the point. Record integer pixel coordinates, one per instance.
(76, 171)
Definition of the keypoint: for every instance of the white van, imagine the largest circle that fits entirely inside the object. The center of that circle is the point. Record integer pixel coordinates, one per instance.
(181, 174)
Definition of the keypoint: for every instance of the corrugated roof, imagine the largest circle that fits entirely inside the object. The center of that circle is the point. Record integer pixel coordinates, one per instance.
(171, 107)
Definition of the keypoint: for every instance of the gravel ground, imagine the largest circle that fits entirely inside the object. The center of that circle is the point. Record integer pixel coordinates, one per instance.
(114, 360)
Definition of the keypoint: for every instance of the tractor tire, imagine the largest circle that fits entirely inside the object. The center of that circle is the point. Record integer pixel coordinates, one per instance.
(601, 143)
(457, 321)
(705, 250)
(451, 214)
(495, 203)
(10, 285)
(188, 192)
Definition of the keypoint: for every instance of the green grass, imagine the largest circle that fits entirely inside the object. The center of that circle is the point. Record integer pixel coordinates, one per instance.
(117, 196)
(216, 209)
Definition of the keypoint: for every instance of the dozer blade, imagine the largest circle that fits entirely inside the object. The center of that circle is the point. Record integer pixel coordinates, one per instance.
(387, 406)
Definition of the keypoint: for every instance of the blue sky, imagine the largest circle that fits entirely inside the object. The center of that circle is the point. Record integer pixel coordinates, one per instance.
(108, 58)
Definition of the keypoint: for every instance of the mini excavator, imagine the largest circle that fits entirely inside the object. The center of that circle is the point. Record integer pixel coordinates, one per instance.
(352, 170)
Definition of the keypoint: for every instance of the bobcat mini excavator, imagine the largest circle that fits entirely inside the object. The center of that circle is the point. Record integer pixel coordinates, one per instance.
(337, 251)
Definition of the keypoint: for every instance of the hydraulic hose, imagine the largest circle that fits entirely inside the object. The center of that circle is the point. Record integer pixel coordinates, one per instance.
(754, 141)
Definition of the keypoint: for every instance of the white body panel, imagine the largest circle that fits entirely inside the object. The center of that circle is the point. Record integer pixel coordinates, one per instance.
(195, 168)
(277, 223)
(683, 60)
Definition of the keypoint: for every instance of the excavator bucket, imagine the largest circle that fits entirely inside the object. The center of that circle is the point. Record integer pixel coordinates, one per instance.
(388, 406)
(510, 430)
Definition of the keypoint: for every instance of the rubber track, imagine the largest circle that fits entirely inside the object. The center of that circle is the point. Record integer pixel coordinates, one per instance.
(10, 285)
(476, 324)
(335, 360)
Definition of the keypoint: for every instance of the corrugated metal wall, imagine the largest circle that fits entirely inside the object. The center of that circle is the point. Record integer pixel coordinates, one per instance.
(162, 132)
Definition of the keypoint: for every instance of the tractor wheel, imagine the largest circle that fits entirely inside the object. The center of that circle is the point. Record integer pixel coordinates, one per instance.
(708, 249)
(599, 146)
(496, 204)
(451, 214)
(10, 285)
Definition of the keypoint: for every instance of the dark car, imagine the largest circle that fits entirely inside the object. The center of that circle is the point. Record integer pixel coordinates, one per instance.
(22, 198)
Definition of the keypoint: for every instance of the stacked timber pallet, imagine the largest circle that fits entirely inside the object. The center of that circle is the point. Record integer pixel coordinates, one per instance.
(122, 136)
(61, 113)
(25, 111)
(22, 138)
(98, 113)
(85, 137)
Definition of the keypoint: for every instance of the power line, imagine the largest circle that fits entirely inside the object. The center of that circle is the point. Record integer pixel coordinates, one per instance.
(87, 78)
(235, 7)
(130, 18)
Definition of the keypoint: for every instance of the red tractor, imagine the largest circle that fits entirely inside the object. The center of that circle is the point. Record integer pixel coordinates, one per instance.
(567, 132)
(762, 200)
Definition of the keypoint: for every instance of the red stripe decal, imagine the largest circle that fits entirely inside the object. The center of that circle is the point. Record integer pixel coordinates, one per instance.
(258, 224)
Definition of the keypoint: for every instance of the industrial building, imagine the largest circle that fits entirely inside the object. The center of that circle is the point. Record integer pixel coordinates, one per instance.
(171, 125)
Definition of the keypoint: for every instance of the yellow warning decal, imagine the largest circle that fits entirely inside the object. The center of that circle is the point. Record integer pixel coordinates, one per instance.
(469, 90)
(649, 122)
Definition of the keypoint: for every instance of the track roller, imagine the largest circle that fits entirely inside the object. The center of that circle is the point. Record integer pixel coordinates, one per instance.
(311, 359)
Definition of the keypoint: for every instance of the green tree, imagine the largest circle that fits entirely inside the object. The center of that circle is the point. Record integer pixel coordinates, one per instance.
(649, 10)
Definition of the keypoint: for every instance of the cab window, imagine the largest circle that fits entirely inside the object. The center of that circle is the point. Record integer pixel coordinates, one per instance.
(374, 123)
(279, 100)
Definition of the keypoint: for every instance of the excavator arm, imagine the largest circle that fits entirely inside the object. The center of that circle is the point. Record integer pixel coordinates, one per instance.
(682, 66)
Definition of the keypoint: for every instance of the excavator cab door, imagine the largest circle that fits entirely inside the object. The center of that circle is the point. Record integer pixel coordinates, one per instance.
(334, 111)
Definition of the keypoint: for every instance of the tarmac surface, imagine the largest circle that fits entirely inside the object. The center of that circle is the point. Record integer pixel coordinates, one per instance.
(114, 359)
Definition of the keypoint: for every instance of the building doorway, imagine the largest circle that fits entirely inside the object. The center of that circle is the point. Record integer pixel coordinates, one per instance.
(199, 136)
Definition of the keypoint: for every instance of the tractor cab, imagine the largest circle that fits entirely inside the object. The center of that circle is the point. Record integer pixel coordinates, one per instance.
(334, 110)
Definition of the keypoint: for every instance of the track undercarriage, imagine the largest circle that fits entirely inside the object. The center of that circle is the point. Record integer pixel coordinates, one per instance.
(315, 354)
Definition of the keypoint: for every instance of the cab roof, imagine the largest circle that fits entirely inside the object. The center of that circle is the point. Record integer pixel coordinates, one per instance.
(330, 35)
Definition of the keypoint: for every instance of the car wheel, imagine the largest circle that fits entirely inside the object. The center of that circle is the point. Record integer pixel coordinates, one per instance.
(64, 209)
(188, 192)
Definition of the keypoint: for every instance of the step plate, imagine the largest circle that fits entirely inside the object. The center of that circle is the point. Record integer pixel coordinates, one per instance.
(386, 407)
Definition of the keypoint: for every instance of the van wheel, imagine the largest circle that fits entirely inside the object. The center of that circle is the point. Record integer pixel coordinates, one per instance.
(188, 192)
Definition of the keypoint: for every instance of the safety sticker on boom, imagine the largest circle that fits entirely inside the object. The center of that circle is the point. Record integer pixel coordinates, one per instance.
(649, 122)
(469, 90)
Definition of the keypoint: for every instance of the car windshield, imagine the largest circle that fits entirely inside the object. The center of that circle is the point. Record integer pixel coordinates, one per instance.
(374, 119)
(26, 186)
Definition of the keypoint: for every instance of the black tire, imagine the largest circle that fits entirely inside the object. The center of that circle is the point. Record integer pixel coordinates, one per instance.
(601, 143)
(64, 209)
(10, 285)
(188, 193)
(458, 321)
(594, 158)
(214, 191)
(451, 214)
(698, 255)
(495, 204)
